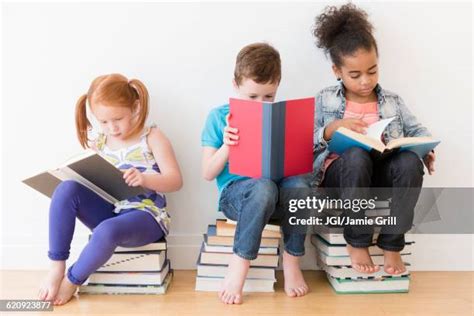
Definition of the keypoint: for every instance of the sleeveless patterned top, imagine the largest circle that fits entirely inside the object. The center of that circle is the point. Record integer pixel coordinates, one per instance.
(138, 156)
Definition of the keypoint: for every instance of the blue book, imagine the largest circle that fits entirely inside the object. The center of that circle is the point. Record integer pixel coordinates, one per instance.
(344, 139)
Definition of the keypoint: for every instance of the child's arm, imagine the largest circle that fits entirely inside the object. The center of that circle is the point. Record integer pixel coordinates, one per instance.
(169, 179)
(324, 130)
(213, 159)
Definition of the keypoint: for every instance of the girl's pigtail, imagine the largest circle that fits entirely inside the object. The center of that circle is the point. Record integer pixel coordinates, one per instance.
(142, 96)
(82, 123)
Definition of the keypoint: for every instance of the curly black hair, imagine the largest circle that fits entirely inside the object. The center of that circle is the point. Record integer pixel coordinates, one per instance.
(342, 31)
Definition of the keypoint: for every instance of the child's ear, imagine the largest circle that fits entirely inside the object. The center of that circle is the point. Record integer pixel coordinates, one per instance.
(337, 72)
(234, 84)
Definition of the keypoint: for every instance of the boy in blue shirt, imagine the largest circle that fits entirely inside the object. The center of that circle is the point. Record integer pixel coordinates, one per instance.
(250, 202)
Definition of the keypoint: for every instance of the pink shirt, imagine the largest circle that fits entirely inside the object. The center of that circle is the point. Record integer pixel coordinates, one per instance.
(364, 111)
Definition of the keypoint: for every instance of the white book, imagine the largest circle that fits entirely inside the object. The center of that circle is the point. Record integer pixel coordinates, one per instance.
(224, 258)
(92, 171)
(135, 262)
(271, 227)
(346, 260)
(347, 272)
(386, 285)
(335, 236)
(220, 270)
(341, 250)
(127, 289)
(130, 278)
(154, 246)
(229, 249)
(214, 284)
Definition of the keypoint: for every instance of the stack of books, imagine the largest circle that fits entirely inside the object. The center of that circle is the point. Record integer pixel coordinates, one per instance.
(217, 250)
(333, 258)
(139, 270)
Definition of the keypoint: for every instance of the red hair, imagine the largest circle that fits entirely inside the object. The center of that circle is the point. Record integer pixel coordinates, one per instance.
(112, 90)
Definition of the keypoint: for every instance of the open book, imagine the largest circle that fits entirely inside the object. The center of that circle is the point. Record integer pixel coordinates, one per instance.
(344, 138)
(91, 170)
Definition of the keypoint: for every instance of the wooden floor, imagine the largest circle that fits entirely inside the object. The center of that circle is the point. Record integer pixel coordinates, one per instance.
(431, 293)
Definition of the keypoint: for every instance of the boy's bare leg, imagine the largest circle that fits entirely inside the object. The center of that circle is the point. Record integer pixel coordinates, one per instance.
(231, 292)
(295, 284)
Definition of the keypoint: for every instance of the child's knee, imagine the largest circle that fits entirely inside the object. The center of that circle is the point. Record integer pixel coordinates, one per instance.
(106, 232)
(357, 158)
(68, 188)
(408, 164)
(265, 191)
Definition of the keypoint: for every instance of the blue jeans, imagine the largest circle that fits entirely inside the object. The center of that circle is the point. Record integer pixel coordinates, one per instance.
(354, 172)
(130, 228)
(252, 202)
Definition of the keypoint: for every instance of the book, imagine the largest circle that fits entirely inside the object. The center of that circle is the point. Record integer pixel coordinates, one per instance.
(224, 229)
(362, 286)
(220, 270)
(347, 272)
(224, 258)
(214, 284)
(272, 227)
(126, 289)
(91, 170)
(152, 261)
(341, 250)
(346, 260)
(215, 240)
(130, 278)
(344, 138)
(335, 236)
(275, 139)
(229, 249)
(154, 246)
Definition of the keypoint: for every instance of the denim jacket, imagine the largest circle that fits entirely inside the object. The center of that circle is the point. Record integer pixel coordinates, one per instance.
(330, 106)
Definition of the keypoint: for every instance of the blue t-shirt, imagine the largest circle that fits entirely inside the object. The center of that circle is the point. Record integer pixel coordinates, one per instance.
(212, 136)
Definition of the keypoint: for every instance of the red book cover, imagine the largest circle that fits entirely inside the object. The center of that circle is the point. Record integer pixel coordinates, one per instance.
(275, 139)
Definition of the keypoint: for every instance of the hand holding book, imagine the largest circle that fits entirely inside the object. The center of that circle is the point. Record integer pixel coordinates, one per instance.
(230, 133)
(429, 160)
(134, 178)
(356, 125)
(344, 138)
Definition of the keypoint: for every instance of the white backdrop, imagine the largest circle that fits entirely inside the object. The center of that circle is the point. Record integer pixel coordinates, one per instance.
(185, 54)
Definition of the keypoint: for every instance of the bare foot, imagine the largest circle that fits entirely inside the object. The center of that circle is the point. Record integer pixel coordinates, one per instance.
(295, 284)
(393, 263)
(361, 261)
(50, 286)
(65, 293)
(231, 292)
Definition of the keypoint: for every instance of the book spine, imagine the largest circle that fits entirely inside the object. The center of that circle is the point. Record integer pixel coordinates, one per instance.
(273, 144)
(266, 140)
(278, 140)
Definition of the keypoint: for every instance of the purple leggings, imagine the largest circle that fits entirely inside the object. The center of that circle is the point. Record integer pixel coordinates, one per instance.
(130, 228)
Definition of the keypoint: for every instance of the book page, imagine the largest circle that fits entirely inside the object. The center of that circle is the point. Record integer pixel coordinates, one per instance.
(69, 174)
(407, 141)
(375, 130)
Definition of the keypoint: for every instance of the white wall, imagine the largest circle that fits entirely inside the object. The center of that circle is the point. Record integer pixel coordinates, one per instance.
(185, 55)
